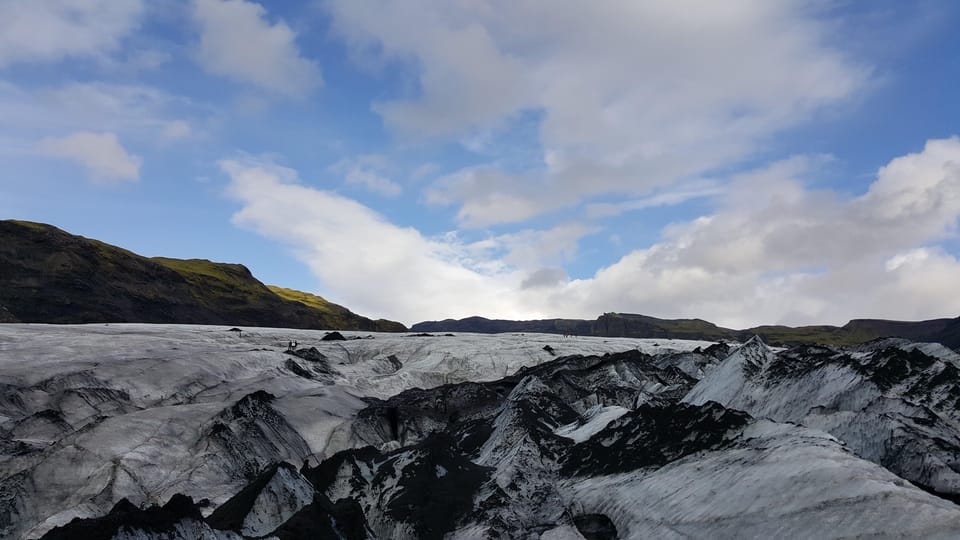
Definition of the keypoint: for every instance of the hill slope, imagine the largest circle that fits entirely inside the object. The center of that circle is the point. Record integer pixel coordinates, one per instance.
(48, 275)
(945, 331)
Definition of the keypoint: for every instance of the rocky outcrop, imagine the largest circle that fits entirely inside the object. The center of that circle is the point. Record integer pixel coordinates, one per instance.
(6, 316)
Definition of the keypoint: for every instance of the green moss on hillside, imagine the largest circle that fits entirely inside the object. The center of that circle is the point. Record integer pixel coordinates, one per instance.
(336, 314)
(214, 282)
(48, 275)
(823, 335)
(307, 299)
(32, 225)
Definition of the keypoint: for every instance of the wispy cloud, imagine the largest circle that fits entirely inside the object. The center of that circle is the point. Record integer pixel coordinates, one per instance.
(51, 31)
(368, 172)
(100, 153)
(672, 197)
(140, 110)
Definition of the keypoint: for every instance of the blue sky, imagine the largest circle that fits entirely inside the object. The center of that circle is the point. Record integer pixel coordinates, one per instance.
(746, 162)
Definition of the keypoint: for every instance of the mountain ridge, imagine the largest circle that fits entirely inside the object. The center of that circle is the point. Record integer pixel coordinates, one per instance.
(51, 276)
(48, 275)
(855, 332)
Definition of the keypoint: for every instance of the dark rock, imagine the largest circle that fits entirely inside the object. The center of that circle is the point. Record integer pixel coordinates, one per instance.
(652, 436)
(249, 435)
(894, 365)
(6, 316)
(319, 362)
(333, 336)
(395, 362)
(259, 396)
(428, 486)
(231, 514)
(413, 414)
(311, 354)
(802, 359)
(436, 489)
(322, 519)
(297, 369)
(11, 447)
(717, 350)
(325, 474)
(157, 520)
(596, 527)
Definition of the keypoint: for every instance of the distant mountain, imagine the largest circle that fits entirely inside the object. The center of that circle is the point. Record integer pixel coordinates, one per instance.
(48, 275)
(481, 325)
(945, 331)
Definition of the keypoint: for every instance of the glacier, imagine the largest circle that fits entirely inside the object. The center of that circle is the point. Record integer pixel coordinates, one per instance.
(180, 431)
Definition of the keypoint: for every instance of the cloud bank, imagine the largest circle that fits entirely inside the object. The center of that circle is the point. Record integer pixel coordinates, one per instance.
(633, 96)
(774, 251)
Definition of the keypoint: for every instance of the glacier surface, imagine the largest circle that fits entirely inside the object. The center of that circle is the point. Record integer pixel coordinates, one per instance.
(173, 431)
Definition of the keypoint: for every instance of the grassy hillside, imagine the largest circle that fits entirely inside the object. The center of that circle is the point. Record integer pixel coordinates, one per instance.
(824, 335)
(48, 275)
(334, 313)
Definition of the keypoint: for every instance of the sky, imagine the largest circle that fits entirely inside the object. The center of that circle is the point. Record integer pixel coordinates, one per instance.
(746, 162)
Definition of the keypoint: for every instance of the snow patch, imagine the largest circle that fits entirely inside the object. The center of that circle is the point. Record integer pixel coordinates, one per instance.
(592, 422)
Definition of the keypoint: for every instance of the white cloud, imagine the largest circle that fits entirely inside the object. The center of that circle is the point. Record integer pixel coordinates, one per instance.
(368, 263)
(146, 60)
(538, 248)
(368, 173)
(424, 170)
(679, 195)
(545, 277)
(774, 251)
(914, 258)
(51, 30)
(138, 110)
(373, 181)
(633, 96)
(239, 42)
(176, 130)
(100, 153)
